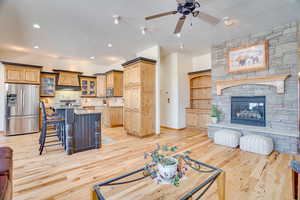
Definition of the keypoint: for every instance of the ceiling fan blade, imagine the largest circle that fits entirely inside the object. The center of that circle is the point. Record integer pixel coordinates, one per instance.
(208, 18)
(161, 15)
(180, 24)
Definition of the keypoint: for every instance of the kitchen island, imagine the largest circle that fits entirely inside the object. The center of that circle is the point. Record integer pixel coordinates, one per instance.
(82, 129)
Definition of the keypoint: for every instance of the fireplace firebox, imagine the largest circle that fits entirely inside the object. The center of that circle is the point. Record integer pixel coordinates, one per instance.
(248, 110)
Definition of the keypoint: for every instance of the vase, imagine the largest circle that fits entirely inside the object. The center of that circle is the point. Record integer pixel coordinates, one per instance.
(214, 120)
(168, 172)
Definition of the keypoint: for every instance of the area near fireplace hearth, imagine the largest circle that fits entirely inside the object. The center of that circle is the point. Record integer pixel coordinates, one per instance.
(272, 93)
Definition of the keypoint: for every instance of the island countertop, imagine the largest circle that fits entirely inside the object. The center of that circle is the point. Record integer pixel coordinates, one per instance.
(86, 112)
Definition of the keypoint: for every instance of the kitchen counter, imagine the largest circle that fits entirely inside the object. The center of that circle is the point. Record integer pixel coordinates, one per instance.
(82, 128)
(86, 112)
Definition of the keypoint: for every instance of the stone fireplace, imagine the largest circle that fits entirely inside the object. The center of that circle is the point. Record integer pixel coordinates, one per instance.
(248, 110)
(263, 102)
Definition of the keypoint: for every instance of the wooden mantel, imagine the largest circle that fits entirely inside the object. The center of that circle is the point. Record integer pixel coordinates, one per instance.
(276, 81)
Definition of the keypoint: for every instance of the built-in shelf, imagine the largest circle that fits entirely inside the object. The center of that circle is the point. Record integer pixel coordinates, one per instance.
(197, 116)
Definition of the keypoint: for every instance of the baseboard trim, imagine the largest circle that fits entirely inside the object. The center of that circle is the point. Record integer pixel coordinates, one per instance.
(174, 129)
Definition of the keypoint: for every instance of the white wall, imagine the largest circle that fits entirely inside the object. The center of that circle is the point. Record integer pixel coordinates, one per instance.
(202, 62)
(169, 91)
(184, 67)
(175, 87)
(154, 53)
(86, 66)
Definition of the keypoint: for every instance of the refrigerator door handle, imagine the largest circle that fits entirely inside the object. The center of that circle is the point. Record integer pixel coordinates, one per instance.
(22, 101)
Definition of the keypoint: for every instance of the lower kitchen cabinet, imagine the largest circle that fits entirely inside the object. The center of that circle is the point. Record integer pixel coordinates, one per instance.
(113, 117)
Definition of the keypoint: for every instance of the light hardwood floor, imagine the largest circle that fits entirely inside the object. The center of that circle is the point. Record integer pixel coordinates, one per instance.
(55, 175)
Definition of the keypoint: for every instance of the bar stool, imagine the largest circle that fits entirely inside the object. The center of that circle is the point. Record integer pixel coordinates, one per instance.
(295, 165)
(59, 131)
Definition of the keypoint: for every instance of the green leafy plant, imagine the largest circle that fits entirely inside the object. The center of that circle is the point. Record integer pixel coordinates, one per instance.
(215, 112)
(163, 155)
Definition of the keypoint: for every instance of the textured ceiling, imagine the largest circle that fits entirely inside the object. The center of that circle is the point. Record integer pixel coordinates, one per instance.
(74, 30)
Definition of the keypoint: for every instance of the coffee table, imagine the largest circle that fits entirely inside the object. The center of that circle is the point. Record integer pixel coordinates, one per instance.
(138, 185)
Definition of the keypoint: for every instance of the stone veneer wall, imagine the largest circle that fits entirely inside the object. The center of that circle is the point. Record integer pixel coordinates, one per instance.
(281, 109)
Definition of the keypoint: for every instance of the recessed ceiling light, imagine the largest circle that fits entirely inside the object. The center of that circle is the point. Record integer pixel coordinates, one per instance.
(37, 26)
(109, 45)
(116, 19)
(36, 47)
(178, 35)
(181, 46)
(92, 57)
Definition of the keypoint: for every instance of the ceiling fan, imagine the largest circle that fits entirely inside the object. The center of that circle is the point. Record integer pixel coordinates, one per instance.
(187, 7)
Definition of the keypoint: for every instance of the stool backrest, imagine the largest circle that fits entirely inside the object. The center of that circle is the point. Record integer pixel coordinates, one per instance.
(44, 113)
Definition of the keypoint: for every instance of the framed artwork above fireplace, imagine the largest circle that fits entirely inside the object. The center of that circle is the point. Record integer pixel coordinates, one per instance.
(248, 58)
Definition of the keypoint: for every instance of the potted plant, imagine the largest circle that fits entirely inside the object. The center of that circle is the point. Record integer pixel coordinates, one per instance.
(215, 114)
(164, 167)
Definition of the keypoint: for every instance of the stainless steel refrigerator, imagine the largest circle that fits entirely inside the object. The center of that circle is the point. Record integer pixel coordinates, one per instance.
(21, 109)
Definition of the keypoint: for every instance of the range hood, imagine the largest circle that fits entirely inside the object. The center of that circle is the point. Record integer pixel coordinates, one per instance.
(68, 80)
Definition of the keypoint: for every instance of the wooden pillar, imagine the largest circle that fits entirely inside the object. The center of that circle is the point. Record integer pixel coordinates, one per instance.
(221, 186)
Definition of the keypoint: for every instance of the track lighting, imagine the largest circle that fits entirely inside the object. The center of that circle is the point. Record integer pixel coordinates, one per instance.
(116, 19)
(144, 30)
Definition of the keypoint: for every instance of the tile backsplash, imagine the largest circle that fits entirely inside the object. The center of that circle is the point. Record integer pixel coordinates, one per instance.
(66, 95)
(76, 95)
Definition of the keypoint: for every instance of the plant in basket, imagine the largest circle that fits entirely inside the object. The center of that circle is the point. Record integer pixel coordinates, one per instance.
(165, 168)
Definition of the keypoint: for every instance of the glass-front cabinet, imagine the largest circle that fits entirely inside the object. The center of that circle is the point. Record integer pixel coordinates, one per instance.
(88, 86)
(48, 80)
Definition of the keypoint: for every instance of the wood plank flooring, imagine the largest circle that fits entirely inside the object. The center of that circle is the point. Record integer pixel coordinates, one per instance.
(56, 176)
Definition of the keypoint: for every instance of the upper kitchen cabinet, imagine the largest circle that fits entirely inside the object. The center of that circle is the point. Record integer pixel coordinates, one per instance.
(48, 80)
(68, 78)
(101, 85)
(114, 83)
(88, 86)
(21, 73)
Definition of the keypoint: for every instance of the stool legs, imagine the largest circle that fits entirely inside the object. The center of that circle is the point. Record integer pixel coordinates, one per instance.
(59, 133)
(295, 185)
(43, 138)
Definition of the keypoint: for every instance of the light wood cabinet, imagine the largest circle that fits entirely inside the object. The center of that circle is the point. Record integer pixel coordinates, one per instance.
(48, 82)
(88, 86)
(198, 115)
(101, 85)
(113, 116)
(114, 83)
(22, 74)
(68, 78)
(139, 97)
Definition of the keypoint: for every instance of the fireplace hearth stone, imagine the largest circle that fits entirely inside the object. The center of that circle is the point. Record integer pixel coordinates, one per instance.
(284, 142)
